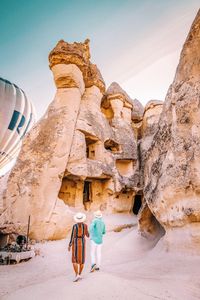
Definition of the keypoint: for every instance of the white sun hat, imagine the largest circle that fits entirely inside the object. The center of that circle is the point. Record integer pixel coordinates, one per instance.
(79, 217)
(98, 214)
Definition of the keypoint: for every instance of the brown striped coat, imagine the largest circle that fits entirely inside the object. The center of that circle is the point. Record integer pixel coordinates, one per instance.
(78, 242)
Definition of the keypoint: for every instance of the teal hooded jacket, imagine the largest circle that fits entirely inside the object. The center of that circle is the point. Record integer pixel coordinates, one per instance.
(97, 230)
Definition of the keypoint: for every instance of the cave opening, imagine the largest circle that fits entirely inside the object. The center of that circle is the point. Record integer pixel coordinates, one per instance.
(91, 147)
(137, 204)
(68, 190)
(87, 193)
(3, 239)
(112, 146)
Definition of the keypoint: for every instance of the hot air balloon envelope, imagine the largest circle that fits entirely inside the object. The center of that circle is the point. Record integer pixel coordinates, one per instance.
(16, 118)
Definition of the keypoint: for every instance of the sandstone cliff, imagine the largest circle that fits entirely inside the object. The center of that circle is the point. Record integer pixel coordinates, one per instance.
(79, 156)
(148, 225)
(172, 161)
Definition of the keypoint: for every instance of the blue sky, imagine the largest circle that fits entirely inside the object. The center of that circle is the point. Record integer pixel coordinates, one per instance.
(136, 43)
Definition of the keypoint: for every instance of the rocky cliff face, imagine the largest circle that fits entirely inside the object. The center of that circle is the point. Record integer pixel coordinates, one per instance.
(36, 178)
(172, 161)
(80, 155)
(148, 225)
(3, 187)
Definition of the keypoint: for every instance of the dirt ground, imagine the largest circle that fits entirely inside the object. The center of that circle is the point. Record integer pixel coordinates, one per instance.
(132, 268)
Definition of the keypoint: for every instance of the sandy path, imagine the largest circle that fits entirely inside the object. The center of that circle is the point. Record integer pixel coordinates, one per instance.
(130, 270)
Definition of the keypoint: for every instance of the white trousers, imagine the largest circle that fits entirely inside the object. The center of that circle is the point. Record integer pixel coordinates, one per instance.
(95, 252)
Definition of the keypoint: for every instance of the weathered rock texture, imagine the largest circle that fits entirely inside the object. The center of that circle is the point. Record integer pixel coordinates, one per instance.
(148, 130)
(81, 155)
(172, 162)
(3, 187)
(97, 149)
(148, 225)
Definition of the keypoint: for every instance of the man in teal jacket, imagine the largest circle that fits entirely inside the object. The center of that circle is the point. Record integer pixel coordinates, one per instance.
(97, 230)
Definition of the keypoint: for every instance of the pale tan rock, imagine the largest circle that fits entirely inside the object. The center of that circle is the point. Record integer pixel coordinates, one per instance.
(148, 226)
(149, 125)
(98, 165)
(68, 76)
(172, 161)
(93, 77)
(137, 111)
(117, 107)
(75, 158)
(115, 90)
(35, 180)
(3, 187)
(75, 53)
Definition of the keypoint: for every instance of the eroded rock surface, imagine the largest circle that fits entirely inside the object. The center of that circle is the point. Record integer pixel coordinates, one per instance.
(104, 154)
(79, 156)
(99, 149)
(172, 177)
(148, 225)
(36, 178)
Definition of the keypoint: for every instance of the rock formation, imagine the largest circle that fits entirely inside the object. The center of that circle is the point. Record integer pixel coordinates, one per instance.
(3, 186)
(35, 180)
(148, 225)
(81, 155)
(99, 149)
(171, 166)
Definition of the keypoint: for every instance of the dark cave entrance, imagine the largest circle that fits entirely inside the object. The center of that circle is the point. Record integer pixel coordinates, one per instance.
(3, 239)
(87, 193)
(137, 204)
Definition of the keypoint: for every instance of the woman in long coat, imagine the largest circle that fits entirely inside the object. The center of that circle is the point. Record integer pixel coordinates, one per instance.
(78, 244)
